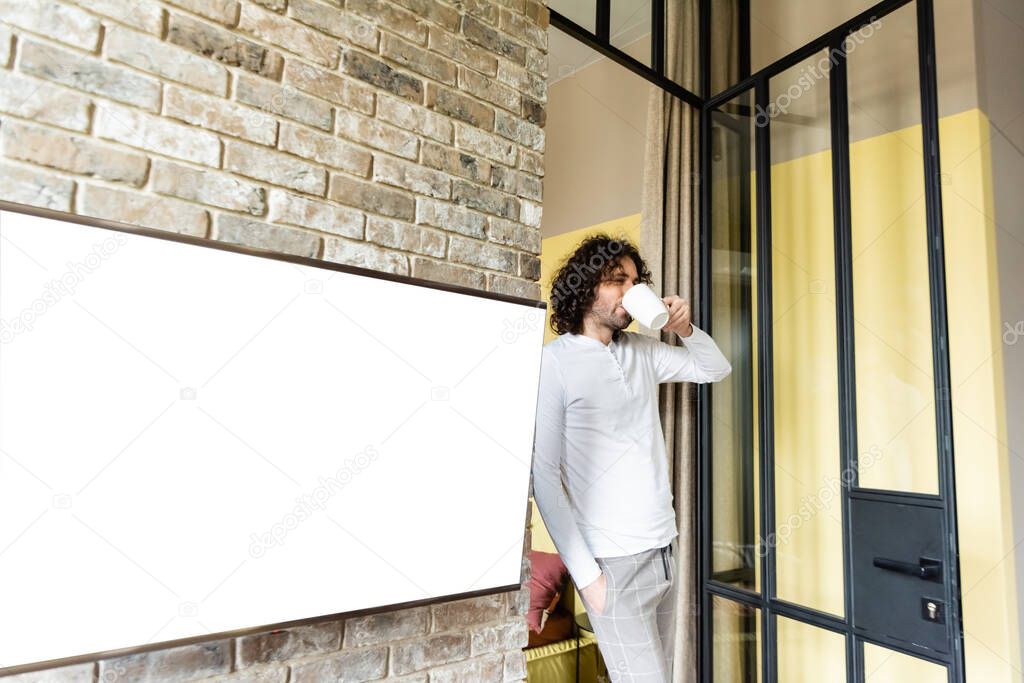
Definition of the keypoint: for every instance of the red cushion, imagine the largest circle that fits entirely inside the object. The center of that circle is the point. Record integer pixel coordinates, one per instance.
(548, 575)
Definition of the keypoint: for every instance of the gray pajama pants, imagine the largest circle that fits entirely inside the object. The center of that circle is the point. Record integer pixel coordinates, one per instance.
(635, 630)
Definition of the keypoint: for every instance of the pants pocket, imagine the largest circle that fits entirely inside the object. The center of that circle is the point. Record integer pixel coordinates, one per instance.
(609, 588)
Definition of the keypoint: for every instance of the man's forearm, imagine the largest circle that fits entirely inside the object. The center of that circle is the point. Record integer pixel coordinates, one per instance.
(698, 360)
(564, 531)
(707, 356)
(548, 453)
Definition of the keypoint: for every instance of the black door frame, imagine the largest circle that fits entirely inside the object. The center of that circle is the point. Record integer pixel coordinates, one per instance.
(766, 602)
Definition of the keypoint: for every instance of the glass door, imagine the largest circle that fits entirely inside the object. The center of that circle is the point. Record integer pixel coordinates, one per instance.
(828, 528)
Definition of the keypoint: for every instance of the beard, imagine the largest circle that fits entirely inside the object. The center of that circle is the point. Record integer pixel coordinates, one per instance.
(616, 321)
(607, 316)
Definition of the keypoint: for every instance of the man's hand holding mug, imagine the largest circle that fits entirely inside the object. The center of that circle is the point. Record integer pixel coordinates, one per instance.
(678, 315)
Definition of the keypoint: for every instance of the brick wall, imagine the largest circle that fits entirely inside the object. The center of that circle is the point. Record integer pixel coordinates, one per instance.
(401, 136)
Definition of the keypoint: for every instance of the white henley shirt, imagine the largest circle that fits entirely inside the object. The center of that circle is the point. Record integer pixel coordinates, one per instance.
(600, 468)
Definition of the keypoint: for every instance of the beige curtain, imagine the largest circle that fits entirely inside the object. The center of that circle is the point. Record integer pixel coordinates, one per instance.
(669, 241)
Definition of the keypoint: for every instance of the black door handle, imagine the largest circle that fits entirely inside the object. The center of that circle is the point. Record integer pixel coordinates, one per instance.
(925, 568)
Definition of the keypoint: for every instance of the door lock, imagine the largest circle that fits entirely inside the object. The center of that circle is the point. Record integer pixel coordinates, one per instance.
(932, 610)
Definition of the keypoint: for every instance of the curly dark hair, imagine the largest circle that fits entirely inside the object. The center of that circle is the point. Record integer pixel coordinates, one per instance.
(574, 285)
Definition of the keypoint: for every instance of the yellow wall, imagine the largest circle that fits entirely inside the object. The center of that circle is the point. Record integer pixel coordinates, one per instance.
(991, 637)
(893, 352)
(554, 250)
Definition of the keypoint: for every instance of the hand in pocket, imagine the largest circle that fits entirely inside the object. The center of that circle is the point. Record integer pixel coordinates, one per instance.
(596, 593)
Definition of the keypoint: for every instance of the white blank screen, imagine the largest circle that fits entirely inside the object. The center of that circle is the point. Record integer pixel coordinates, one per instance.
(195, 441)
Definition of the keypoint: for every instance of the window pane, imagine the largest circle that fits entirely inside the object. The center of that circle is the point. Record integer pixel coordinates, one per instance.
(736, 631)
(734, 474)
(892, 330)
(630, 28)
(725, 44)
(809, 654)
(808, 515)
(882, 665)
(778, 27)
(582, 12)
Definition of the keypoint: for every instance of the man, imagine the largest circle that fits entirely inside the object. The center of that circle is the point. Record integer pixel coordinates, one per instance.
(600, 468)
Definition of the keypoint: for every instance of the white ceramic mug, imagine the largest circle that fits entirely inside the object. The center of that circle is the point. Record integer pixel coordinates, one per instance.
(645, 306)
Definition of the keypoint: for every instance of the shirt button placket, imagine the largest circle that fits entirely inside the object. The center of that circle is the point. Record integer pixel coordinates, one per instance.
(622, 373)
